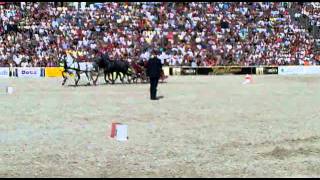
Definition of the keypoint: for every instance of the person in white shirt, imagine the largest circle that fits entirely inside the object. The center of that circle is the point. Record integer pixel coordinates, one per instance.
(17, 59)
(163, 56)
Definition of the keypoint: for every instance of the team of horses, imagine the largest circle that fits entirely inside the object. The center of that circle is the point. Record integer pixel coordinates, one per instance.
(127, 72)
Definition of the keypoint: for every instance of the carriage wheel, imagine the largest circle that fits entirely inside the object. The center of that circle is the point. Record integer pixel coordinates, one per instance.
(129, 79)
(134, 78)
(144, 78)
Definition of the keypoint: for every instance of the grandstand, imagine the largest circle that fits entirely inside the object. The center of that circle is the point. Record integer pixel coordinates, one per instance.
(202, 34)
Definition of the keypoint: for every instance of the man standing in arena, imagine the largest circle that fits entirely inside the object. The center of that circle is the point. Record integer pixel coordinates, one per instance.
(154, 68)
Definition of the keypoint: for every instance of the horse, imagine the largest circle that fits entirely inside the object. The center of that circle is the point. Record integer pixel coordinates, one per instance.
(100, 66)
(110, 67)
(124, 68)
(75, 68)
(103, 64)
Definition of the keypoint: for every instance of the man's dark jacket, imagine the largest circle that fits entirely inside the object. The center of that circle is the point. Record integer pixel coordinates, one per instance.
(154, 68)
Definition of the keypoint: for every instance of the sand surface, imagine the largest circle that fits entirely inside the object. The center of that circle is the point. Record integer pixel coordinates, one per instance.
(205, 126)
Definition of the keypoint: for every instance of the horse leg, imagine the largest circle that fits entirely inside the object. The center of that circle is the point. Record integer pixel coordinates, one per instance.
(95, 80)
(109, 77)
(112, 80)
(64, 78)
(105, 77)
(91, 77)
(77, 78)
(121, 78)
(116, 78)
(88, 78)
(129, 77)
(134, 78)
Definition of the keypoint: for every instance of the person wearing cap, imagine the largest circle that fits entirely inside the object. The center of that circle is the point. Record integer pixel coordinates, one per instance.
(154, 68)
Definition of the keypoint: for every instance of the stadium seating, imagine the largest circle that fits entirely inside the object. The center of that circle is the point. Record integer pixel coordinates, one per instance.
(187, 34)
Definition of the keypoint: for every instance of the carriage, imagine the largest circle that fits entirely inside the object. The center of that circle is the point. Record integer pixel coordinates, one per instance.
(102, 64)
(139, 73)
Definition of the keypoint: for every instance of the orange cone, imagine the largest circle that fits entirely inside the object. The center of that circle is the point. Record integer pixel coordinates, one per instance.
(113, 130)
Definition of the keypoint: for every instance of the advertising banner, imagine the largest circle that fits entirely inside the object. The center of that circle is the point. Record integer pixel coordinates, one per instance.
(299, 70)
(270, 70)
(53, 71)
(311, 69)
(29, 72)
(215, 70)
(4, 72)
(221, 70)
(188, 71)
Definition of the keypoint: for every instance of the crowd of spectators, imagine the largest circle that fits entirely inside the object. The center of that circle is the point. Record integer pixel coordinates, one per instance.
(186, 34)
(312, 10)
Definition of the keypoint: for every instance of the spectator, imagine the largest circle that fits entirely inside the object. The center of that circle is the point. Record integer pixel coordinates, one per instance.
(189, 34)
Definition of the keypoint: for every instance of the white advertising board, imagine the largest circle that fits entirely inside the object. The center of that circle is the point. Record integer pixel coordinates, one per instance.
(4, 72)
(29, 72)
(299, 70)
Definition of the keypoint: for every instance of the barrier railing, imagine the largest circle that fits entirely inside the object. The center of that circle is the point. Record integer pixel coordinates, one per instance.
(221, 70)
(37, 72)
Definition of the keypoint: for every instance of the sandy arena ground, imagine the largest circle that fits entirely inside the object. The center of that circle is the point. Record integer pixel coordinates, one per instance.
(205, 126)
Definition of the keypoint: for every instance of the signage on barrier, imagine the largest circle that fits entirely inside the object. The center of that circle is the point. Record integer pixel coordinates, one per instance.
(53, 71)
(226, 70)
(4, 72)
(299, 70)
(188, 71)
(311, 69)
(29, 72)
(270, 70)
